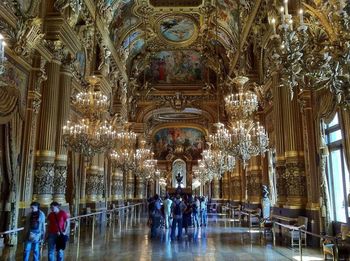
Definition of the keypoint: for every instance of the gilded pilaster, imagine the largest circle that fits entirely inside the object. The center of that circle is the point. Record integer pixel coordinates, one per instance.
(38, 76)
(254, 180)
(139, 188)
(293, 140)
(117, 185)
(310, 154)
(60, 178)
(216, 188)
(278, 130)
(101, 178)
(92, 180)
(236, 185)
(45, 155)
(225, 186)
(130, 185)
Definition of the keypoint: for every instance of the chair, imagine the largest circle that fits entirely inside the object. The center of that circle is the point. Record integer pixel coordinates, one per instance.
(339, 248)
(294, 232)
(255, 218)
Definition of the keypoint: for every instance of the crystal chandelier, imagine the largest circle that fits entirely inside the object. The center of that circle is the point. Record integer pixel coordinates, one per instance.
(314, 54)
(91, 102)
(124, 155)
(91, 134)
(162, 182)
(247, 139)
(241, 104)
(217, 162)
(123, 159)
(144, 161)
(201, 173)
(220, 137)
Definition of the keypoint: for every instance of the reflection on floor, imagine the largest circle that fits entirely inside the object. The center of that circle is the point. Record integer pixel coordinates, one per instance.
(130, 240)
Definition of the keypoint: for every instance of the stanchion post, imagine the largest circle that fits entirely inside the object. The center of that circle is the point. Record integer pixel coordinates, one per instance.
(273, 234)
(93, 231)
(78, 241)
(300, 245)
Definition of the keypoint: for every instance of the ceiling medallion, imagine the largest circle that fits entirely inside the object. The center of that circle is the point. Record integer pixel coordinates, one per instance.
(178, 29)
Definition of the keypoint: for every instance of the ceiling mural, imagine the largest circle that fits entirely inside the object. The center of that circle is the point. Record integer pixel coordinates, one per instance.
(228, 15)
(123, 19)
(182, 66)
(177, 28)
(185, 141)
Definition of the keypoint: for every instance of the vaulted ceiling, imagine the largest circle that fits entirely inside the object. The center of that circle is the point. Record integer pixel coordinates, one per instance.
(177, 54)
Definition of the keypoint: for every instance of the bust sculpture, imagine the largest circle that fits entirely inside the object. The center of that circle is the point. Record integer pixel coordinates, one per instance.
(179, 178)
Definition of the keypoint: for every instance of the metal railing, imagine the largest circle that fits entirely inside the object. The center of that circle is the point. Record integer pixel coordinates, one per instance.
(134, 210)
(301, 230)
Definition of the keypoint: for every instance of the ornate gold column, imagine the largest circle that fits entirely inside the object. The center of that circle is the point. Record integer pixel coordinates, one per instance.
(117, 184)
(279, 138)
(130, 188)
(45, 154)
(139, 188)
(311, 170)
(216, 188)
(254, 185)
(236, 184)
(225, 186)
(294, 152)
(38, 76)
(92, 180)
(60, 177)
(101, 178)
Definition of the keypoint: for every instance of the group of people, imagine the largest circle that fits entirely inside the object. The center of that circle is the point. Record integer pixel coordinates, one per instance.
(35, 232)
(177, 212)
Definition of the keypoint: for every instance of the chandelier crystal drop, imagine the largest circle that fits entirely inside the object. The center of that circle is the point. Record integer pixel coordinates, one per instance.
(241, 104)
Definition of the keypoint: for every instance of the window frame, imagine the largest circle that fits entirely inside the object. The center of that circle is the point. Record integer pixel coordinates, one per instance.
(334, 146)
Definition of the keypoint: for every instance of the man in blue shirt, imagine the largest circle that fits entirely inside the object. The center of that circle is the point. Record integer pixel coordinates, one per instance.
(34, 231)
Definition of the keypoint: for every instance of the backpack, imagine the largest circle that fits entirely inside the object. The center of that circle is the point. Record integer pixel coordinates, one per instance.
(177, 209)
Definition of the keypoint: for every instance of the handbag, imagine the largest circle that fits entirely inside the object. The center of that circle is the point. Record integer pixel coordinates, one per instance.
(61, 239)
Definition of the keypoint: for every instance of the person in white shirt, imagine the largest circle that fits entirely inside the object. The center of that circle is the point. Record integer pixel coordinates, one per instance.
(167, 203)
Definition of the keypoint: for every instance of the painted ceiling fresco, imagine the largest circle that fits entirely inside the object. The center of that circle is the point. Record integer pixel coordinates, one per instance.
(177, 28)
(169, 141)
(181, 66)
(123, 19)
(228, 15)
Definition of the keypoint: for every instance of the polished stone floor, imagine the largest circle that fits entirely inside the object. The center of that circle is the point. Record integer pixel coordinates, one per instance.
(130, 240)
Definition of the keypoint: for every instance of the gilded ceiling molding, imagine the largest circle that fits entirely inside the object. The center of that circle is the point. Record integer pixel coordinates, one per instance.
(106, 38)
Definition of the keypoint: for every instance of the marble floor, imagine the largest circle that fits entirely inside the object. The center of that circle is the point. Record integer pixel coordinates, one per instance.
(130, 240)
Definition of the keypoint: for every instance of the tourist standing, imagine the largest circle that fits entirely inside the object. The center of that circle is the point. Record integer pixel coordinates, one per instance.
(34, 232)
(178, 208)
(203, 211)
(195, 211)
(58, 226)
(167, 203)
(155, 215)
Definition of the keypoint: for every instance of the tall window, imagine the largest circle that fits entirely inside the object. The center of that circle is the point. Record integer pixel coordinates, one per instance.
(337, 172)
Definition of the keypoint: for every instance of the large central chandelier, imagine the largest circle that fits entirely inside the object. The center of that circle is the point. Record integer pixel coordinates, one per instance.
(92, 134)
(241, 104)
